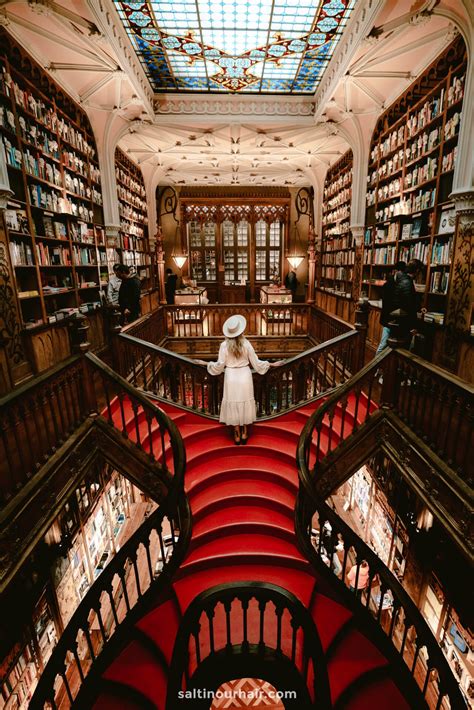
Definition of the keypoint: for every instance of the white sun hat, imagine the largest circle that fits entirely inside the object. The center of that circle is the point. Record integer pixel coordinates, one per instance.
(234, 326)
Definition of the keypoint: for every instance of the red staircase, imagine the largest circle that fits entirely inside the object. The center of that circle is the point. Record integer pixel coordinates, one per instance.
(242, 499)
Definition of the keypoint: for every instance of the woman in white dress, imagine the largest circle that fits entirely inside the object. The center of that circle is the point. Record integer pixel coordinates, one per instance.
(236, 355)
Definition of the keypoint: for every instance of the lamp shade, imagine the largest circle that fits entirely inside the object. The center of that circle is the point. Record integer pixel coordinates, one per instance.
(180, 261)
(295, 261)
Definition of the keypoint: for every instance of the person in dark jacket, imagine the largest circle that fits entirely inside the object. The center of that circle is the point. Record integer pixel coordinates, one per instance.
(388, 293)
(170, 286)
(291, 283)
(406, 299)
(129, 294)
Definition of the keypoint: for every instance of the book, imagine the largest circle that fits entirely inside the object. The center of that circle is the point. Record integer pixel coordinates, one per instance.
(48, 226)
(447, 221)
(416, 227)
(406, 231)
(60, 230)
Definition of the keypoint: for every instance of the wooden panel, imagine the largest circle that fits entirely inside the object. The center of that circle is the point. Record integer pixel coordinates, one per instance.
(233, 294)
(49, 346)
(374, 331)
(96, 333)
(265, 347)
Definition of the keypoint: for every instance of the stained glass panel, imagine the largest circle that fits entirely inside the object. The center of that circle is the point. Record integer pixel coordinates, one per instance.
(265, 46)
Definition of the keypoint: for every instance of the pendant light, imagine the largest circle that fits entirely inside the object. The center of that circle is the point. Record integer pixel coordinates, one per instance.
(295, 258)
(179, 257)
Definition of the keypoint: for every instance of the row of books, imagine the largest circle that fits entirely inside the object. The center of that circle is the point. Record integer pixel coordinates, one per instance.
(341, 273)
(418, 250)
(343, 180)
(126, 179)
(52, 256)
(439, 282)
(430, 110)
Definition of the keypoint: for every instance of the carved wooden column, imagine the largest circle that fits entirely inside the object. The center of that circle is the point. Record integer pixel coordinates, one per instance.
(358, 236)
(461, 287)
(160, 264)
(310, 297)
(252, 255)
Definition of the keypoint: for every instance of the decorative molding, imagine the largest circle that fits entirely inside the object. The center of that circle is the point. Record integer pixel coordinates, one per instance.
(10, 331)
(358, 233)
(234, 105)
(463, 202)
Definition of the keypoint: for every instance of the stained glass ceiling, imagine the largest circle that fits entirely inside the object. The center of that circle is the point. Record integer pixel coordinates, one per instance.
(258, 46)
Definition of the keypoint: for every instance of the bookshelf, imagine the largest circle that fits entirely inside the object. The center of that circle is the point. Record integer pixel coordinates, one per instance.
(412, 158)
(134, 247)
(337, 248)
(54, 220)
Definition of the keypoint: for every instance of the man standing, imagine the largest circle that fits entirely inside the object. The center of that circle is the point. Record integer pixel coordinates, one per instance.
(406, 299)
(170, 286)
(291, 283)
(388, 294)
(113, 287)
(129, 294)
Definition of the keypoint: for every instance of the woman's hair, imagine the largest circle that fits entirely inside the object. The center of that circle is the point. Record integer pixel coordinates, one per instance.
(236, 345)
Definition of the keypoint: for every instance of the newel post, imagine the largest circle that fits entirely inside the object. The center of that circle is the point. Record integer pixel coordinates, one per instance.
(311, 265)
(80, 345)
(160, 264)
(115, 328)
(361, 322)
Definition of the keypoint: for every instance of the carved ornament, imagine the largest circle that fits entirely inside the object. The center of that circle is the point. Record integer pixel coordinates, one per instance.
(231, 106)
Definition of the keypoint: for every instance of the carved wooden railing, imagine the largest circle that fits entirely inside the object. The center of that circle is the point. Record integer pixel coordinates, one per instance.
(178, 379)
(144, 563)
(248, 621)
(37, 419)
(291, 319)
(415, 391)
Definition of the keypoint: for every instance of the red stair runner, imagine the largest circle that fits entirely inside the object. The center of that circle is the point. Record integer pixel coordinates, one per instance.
(242, 500)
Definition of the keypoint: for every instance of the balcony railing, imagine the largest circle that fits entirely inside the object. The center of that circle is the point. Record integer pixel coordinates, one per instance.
(251, 622)
(422, 395)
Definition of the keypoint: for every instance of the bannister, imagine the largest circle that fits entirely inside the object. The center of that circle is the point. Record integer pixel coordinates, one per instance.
(383, 599)
(260, 622)
(416, 392)
(144, 563)
(271, 319)
(177, 378)
(37, 419)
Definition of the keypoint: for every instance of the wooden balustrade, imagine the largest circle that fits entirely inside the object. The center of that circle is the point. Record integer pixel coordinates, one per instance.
(178, 379)
(37, 419)
(435, 405)
(382, 605)
(143, 563)
(259, 623)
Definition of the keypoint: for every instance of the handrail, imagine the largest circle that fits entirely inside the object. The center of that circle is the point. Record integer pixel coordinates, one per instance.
(143, 563)
(119, 391)
(407, 631)
(243, 610)
(409, 636)
(174, 377)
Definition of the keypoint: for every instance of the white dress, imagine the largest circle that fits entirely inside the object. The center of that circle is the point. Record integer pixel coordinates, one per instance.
(238, 402)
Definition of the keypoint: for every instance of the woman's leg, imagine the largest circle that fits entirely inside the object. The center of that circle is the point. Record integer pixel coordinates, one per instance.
(244, 435)
(237, 434)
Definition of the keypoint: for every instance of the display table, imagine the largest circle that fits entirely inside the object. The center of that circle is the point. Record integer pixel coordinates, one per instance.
(275, 294)
(190, 296)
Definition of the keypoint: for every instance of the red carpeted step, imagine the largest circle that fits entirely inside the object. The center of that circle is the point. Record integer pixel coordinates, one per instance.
(329, 617)
(381, 693)
(266, 474)
(258, 512)
(298, 581)
(137, 668)
(353, 656)
(161, 626)
(235, 544)
(224, 489)
(213, 505)
(241, 458)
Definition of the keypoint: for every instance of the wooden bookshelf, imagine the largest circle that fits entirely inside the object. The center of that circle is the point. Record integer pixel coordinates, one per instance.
(54, 220)
(134, 245)
(337, 247)
(413, 153)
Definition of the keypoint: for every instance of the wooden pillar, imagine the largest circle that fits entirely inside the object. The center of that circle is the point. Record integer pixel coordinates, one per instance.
(310, 295)
(461, 287)
(358, 236)
(160, 264)
(252, 257)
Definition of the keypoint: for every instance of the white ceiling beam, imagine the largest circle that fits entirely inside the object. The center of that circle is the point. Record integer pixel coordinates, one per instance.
(384, 75)
(96, 87)
(373, 95)
(52, 37)
(410, 47)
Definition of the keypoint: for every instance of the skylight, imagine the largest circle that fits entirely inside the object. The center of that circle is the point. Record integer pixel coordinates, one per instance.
(245, 46)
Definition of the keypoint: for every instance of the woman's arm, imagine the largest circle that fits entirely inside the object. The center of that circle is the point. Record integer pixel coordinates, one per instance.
(215, 368)
(260, 366)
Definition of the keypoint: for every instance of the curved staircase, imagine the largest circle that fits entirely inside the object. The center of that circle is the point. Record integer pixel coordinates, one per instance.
(243, 500)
